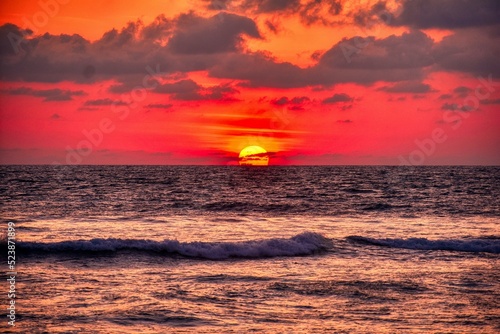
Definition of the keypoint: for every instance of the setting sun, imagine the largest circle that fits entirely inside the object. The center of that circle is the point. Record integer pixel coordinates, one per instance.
(253, 156)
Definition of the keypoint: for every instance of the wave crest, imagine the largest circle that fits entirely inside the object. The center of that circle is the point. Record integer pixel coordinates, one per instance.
(462, 245)
(306, 243)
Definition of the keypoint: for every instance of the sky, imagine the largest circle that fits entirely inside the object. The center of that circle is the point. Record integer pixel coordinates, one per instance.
(313, 82)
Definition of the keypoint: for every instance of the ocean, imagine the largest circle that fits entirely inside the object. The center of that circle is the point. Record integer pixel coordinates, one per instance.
(206, 249)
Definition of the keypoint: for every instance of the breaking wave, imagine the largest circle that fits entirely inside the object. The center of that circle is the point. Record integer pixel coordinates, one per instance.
(306, 243)
(488, 245)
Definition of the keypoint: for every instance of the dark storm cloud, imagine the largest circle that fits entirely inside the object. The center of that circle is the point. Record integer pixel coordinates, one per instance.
(448, 14)
(341, 97)
(48, 94)
(220, 33)
(408, 87)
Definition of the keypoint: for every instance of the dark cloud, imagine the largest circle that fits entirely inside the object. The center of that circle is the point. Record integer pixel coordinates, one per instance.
(214, 44)
(309, 12)
(445, 96)
(159, 30)
(55, 94)
(376, 14)
(217, 4)
(272, 26)
(181, 90)
(88, 109)
(220, 33)
(392, 59)
(341, 97)
(194, 44)
(271, 6)
(455, 107)
(159, 106)
(448, 14)
(462, 91)
(300, 100)
(103, 102)
(12, 39)
(281, 101)
(297, 100)
(410, 50)
(320, 11)
(408, 87)
(490, 101)
(188, 90)
(344, 121)
(474, 50)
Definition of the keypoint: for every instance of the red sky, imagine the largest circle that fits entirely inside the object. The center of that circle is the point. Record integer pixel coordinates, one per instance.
(194, 82)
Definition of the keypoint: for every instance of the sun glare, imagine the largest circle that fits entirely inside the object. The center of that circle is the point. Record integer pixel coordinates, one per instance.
(253, 156)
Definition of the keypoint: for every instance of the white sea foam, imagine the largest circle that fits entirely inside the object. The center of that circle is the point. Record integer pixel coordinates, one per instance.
(462, 245)
(302, 244)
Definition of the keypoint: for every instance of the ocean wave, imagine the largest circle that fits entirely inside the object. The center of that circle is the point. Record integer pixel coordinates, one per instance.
(487, 245)
(306, 243)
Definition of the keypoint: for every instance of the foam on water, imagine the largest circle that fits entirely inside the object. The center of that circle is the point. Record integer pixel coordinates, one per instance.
(302, 244)
(489, 245)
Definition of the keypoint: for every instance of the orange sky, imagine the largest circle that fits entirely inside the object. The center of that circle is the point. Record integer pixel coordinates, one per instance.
(291, 78)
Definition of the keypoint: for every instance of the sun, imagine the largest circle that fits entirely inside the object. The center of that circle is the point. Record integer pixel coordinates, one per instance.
(253, 156)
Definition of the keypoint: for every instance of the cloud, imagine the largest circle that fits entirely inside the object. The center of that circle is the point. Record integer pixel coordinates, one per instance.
(271, 6)
(55, 117)
(296, 103)
(456, 107)
(104, 102)
(215, 44)
(217, 34)
(448, 14)
(309, 11)
(342, 97)
(391, 59)
(217, 4)
(159, 106)
(54, 95)
(186, 43)
(445, 96)
(189, 90)
(408, 87)
(345, 121)
(490, 101)
(462, 91)
(475, 51)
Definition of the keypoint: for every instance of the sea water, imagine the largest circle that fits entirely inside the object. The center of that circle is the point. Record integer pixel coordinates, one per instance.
(205, 249)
